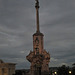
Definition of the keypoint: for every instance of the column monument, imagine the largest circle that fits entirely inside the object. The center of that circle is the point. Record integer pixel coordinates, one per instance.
(39, 58)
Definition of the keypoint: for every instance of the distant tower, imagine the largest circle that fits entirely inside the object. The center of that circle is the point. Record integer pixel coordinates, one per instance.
(38, 58)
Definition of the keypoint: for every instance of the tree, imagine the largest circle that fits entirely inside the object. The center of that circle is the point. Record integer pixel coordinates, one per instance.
(63, 70)
(73, 69)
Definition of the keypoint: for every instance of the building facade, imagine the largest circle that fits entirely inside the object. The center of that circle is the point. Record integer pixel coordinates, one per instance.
(7, 68)
(39, 57)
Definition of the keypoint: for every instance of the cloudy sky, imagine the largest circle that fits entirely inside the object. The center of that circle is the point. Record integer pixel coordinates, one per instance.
(17, 25)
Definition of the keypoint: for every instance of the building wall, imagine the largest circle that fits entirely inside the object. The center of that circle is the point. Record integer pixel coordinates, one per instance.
(7, 68)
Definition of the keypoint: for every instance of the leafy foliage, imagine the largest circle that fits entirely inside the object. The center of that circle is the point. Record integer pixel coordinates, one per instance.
(73, 69)
(63, 70)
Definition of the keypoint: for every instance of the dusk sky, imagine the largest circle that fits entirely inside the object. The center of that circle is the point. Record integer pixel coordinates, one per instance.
(18, 24)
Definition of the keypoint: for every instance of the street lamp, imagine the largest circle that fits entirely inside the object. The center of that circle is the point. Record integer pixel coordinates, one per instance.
(55, 73)
(70, 72)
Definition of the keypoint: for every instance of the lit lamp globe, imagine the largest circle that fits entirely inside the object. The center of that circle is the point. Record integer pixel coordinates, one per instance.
(55, 73)
(70, 72)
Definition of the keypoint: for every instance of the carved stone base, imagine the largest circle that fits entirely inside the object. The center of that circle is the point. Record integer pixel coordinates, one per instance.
(39, 63)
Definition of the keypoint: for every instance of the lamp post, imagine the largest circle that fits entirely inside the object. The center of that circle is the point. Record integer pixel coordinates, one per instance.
(55, 73)
(70, 72)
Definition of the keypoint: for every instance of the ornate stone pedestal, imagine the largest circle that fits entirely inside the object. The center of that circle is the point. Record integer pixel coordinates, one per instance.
(39, 63)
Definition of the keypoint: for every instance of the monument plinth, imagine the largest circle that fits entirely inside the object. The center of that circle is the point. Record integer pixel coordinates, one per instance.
(39, 58)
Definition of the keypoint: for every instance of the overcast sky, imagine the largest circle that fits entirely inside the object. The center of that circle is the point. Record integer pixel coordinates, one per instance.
(18, 24)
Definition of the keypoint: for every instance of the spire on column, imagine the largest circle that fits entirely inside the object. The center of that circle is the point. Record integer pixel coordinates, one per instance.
(37, 15)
